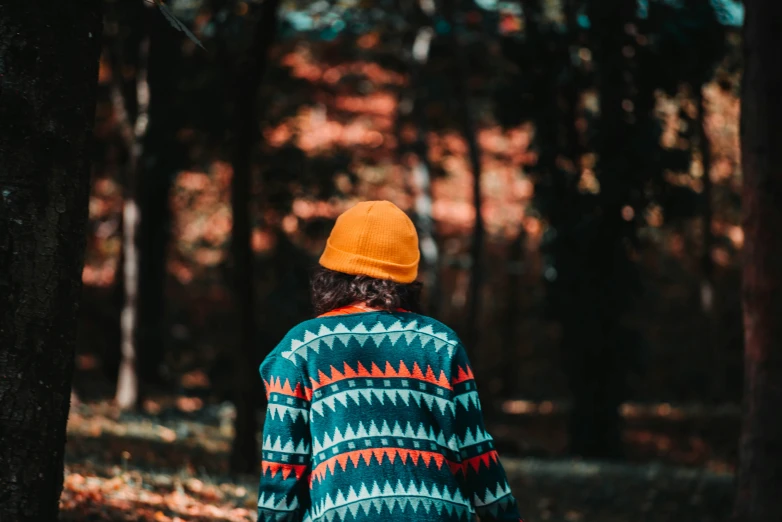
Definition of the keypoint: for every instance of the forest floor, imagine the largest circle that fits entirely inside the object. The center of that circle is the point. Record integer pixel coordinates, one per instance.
(169, 463)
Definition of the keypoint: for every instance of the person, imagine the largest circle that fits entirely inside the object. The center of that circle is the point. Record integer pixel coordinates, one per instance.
(373, 412)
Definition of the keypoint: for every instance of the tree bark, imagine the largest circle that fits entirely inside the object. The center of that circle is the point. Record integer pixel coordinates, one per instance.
(588, 250)
(132, 133)
(48, 79)
(704, 146)
(421, 170)
(760, 469)
(510, 359)
(250, 72)
(163, 156)
(469, 131)
(708, 288)
(594, 338)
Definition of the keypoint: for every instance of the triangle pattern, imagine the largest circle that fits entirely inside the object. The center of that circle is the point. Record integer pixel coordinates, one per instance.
(378, 332)
(374, 394)
(391, 499)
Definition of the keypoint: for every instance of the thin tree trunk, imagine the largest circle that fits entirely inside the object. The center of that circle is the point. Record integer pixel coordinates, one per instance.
(593, 335)
(707, 264)
(48, 78)
(430, 252)
(474, 309)
(421, 175)
(760, 468)
(572, 92)
(515, 270)
(420, 179)
(469, 131)
(133, 135)
(163, 156)
(244, 452)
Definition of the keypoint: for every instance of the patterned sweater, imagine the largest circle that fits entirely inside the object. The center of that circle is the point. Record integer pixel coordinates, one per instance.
(375, 416)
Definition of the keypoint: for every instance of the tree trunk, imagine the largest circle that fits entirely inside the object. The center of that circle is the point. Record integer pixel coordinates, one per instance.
(48, 78)
(588, 245)
(708, 289)
(474, 309)
(760, 469)
(420, 179)
(422, 175)
(704, 146)
(163, 157)
(469, 131)
(510, 361)
(244, 453)
(133, 135)
(593, 335)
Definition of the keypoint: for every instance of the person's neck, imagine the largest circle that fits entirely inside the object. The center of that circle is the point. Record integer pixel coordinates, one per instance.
(364, 306)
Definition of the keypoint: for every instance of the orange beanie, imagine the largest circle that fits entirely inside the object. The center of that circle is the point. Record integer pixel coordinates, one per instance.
(375, 239)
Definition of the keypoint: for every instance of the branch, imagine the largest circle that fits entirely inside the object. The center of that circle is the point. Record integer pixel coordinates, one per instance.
(177, 24)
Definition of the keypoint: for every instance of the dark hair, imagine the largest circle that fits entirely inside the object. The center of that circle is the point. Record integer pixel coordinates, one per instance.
(332, 290)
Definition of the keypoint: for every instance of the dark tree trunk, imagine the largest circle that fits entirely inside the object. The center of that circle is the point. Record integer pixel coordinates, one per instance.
(48, 78)
(474, 309)
(588, 250)
(250, 72)
(420, 179)
(708, 289)
(572, 92)
(760, 469)
(163, 156)
(593, 336)
(469, 131)
(704, 146)
(510, 360)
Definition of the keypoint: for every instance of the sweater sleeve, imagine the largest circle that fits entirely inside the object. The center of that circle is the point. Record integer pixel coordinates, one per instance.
(484, 477)
(283, 494)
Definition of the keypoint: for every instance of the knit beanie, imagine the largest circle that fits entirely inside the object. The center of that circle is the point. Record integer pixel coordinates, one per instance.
(375, 239)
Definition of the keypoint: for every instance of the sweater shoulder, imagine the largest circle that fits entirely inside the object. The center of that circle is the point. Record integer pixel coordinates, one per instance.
(439, 329)
(295, 344)
(300, 334)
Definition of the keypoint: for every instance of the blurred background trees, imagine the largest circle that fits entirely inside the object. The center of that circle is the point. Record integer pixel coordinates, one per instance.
(597, 141)
(572, 167)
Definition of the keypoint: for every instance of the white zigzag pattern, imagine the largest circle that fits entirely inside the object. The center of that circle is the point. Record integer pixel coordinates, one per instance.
(471, 440)
(325, 337)
(265, 502)
(465, 399)
(385, 431)
(490, 497)
(279, 411)
(430, 506)
(381, 394)
(388, 496)
(300, 449)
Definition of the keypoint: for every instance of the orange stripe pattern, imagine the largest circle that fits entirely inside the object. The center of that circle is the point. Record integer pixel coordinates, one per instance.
(375, 372)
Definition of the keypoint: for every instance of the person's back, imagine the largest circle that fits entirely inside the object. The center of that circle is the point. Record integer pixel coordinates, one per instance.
(373, 411)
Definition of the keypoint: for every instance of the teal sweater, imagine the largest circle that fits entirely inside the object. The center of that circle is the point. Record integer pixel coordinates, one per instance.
(375, 416)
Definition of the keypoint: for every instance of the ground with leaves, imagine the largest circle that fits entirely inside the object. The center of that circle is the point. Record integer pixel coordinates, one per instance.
(172, 466)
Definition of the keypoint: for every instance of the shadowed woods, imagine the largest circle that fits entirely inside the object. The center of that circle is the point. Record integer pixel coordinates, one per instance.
(578, 177)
